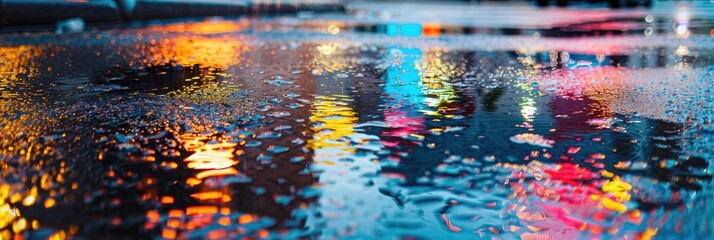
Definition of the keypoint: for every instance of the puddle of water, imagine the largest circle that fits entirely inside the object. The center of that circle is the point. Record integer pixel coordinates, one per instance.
(256, 129)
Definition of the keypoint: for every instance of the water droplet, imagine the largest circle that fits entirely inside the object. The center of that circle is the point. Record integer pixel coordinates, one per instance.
(277, 149)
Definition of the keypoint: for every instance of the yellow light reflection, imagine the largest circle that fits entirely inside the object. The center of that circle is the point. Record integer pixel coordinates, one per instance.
(327, 49)
(205, 27)
(212, 51)
(435, 80)
(213, 157)
(17, 61)
(18, 66)
(336, 118)
(333, 29)
(216, 159)
(329, 60)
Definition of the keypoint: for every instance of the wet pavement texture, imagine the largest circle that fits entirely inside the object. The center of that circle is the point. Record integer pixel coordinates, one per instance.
(360, 126)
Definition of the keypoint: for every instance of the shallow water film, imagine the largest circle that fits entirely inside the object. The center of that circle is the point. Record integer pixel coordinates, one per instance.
(360, 127)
